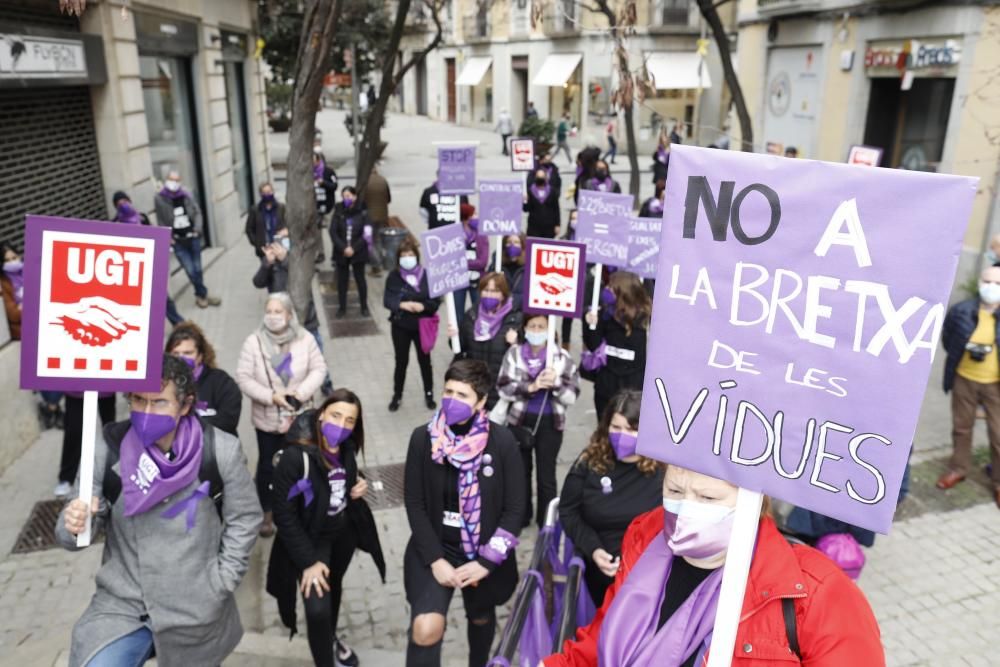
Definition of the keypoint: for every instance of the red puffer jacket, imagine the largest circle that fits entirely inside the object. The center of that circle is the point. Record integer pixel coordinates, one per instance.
(835, 625)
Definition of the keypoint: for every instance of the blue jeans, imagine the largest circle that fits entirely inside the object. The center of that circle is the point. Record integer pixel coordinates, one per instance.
(188, 252)
(172, 315)
(51, 397)
(327, 387)
(132, 650)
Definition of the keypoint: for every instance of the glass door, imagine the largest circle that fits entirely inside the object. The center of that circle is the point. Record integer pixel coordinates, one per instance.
(236, 108)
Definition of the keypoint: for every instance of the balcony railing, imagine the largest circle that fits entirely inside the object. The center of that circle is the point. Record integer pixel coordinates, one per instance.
(476, 27)
(668, 13)
(563, 18)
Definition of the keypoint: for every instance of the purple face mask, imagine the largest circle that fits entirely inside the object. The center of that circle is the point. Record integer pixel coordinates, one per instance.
(697, 530)
(608, 297)
(151, 427)
(513, 251)
(474, 224)
(335, 434)
(490, 303)
(623, 443)
(456, 411)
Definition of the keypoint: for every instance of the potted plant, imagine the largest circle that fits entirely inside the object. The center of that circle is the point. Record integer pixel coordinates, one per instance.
(541, 131)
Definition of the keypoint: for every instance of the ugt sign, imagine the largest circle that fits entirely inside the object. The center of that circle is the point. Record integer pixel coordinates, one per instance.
(94, 300)
(554, 276)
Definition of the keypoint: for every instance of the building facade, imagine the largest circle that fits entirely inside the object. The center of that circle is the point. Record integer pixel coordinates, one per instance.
(920, 86)
(113, 101)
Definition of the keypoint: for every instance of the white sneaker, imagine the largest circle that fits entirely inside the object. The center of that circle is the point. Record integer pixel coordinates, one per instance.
(62, 489)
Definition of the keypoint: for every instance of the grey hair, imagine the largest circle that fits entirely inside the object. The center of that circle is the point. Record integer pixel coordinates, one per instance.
(286, 302)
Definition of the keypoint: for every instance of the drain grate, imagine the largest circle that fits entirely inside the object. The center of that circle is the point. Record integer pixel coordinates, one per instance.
(38, 533)
(385, 486)
(354, 324)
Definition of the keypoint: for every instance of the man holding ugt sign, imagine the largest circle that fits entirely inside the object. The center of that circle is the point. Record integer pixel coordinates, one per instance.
(798, 372)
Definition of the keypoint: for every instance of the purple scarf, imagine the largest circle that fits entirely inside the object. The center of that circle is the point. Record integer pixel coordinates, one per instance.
(606, 185)
(412, 277)
(488, 324)
(465, 453)
(661, 155)
(318, 170)
(128, 215)
(629, 637)
(148, 476)
(533, 363)
(180, 194)
(541, 194)
(282, 365)
(655, 205)
(16, 279)
(270, 214)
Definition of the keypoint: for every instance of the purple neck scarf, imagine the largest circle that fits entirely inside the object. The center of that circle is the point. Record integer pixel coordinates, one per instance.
(534, 363)
(540, 194)
(148, 476)
(16, 279)
(128, 215)
(412, 277)
(487, 323)
(579, 171)
(318, 170)
(180, 194)
(606, 185)
(629, 637)
(470, 235)
(282, 365)
(655, 205)
(662, 155)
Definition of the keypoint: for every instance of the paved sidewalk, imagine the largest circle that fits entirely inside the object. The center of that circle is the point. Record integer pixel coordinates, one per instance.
(932, 583)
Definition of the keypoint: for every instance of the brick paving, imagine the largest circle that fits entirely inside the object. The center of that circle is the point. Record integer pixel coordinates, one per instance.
(932, 582)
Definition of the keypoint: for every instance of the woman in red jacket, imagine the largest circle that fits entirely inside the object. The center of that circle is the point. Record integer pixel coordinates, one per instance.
(661, 609)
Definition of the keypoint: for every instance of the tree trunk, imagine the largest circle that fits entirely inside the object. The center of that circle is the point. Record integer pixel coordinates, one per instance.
(711, 14)
(315, 44)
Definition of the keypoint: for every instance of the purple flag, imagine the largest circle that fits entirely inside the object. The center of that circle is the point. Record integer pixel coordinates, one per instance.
(798, 308)
(500, 207)
(457, 170)
(644, 246)
(445, 263)
(603, 224)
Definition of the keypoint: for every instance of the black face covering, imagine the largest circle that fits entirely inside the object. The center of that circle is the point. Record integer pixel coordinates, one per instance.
(602, 173)
(540, 182)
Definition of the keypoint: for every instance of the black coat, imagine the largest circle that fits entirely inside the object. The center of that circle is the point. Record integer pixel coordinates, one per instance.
(514, 273)
(256, 229)
(959, 323)
(491, 351)
(555, 180)
(338, 233)
(618, 373)
(502, 495)
(543, 216)
(430, 199)
(223, 399)
(305, 533)
(328, 186)
(397, 290)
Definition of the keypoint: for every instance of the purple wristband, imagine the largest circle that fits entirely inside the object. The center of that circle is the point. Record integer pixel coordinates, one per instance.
(499, 547)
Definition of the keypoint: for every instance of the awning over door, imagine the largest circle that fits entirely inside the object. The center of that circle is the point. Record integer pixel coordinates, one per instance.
(678, 70)
(474, 70)
(557, 69)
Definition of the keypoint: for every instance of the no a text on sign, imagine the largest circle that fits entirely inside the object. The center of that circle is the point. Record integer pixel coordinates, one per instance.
(797, 309)
(94, 302)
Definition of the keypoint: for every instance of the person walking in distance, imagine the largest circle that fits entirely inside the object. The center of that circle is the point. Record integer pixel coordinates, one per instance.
(505, 126)
(970, 336)
(611, 133)
(177, 209)
(176, 504)
(562, 136)
(377, 199)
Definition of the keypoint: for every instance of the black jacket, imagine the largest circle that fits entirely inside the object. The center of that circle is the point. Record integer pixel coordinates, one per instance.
(430, 199)
(514, 273)
(328, 187)
(660, 168)
(543, 217)
(959, 323)
(397, 290)
(555, 180)
(223, 400)
(591, 184)
(618, 373)
(305, 533)
(338, 233)
(502, 495)
(644, 211)
(256, 229)
(491, 351)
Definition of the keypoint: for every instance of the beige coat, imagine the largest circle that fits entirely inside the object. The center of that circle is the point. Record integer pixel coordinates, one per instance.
(254, 371)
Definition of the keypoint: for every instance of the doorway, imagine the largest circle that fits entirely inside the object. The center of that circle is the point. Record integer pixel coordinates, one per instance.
(519, 88)
(449, 64)
(909, 125)
(236, 109)
(422, 87)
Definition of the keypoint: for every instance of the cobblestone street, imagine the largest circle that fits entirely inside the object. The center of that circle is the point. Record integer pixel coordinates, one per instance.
(933, 582)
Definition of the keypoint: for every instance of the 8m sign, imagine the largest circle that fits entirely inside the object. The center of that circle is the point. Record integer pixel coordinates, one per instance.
(94, 302)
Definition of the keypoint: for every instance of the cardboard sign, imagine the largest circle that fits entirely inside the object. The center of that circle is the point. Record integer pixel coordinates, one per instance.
(554, 277)
(94, 301)
(812, 297)
(500, 207)
(602, 224)
(869, 156)
(522, 154)
(644, 246)
(443, 250)
(457, 170)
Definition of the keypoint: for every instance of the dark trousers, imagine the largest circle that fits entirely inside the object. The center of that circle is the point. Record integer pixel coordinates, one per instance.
(503, 140)
(401, 341)
(343, 275)
(267, 445)
(69, 463)
(567, 330)
(322, 612)
(597, 582)
(546, 450)
(966, 395)
(188, 252)
(612, 149)
(173, 316)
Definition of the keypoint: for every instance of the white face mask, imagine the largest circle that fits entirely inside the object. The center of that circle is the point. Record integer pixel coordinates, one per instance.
(173, 186)
(275, 323)
(989, 293)
(990, 256)
(536, 338)
(286, 242)
(408, 262)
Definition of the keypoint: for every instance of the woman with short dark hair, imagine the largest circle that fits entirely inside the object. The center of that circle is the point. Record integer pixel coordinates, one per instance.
(219, 399)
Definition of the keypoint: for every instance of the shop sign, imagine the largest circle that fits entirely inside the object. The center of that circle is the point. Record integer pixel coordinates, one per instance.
(913, 55)
(41, 57)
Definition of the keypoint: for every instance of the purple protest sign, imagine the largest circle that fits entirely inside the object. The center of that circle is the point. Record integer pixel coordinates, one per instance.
(500, 207)
(447, 268)
(554, 277)
(94, 301)
(644, 246)
(797, 310)
(603, 224)
(457, 170)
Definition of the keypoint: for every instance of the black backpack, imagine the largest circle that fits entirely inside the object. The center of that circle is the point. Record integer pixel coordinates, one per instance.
(208, 472)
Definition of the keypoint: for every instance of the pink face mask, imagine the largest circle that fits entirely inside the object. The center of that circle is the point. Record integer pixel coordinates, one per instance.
(696, 530)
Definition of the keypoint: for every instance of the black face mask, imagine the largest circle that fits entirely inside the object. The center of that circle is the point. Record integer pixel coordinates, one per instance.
(540, 182)
(602, 173)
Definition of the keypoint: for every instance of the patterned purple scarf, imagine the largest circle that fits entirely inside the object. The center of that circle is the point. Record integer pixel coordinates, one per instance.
(466, 454)
(412, 277)
(487, 323)
(534, 363)
(148, 476)
(540, 194)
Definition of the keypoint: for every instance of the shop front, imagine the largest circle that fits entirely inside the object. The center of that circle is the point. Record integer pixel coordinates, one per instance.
(234, 55)
(561, 73)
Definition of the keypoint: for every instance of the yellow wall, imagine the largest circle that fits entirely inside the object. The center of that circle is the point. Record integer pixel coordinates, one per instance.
(751, 69)
(832, 141)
